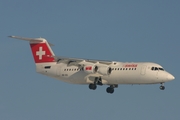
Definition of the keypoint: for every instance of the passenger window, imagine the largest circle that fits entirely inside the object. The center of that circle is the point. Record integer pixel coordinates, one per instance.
(123, 68)
(129, 68)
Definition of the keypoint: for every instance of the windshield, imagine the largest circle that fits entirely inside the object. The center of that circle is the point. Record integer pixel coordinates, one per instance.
(157, 68)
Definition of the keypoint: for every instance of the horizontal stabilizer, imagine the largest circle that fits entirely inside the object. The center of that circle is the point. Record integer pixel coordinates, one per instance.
(31, 39)
(28, 39)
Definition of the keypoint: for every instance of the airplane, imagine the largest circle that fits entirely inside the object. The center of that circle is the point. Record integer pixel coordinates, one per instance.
(94, 72)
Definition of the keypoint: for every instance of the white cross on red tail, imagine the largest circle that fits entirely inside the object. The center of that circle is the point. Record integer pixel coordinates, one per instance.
(41, 52)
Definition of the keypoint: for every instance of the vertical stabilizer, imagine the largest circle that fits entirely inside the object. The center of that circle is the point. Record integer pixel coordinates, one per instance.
(41, 50)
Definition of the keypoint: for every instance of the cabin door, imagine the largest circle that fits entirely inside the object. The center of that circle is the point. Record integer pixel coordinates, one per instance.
(143, 70)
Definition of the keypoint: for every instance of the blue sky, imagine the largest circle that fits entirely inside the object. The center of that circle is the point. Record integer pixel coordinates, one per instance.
(125, 30)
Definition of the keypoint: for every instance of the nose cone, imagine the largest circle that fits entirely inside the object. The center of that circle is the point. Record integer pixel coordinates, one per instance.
(170, 77)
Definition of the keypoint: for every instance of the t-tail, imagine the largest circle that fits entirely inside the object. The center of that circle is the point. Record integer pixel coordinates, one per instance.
(41, 50)
(42, 54)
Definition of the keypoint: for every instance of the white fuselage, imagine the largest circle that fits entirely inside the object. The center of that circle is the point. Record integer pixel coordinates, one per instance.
(122, 73)
(93, 72)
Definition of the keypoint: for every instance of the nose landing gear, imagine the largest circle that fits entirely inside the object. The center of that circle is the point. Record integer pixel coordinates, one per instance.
(162, 87)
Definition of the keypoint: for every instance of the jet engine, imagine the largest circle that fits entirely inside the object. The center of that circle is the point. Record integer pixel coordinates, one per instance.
(104, 70)
(91, 69)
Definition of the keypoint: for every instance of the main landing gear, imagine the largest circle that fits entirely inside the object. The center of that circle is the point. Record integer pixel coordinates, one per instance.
(111, 89)
(162, 87)
(92, 86)
(98, 81)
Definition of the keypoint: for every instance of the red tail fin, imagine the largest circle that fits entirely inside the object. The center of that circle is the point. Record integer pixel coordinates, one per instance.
(42, 52)
(40, 48)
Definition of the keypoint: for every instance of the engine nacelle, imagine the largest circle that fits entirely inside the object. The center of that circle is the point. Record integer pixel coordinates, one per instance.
(104, 70)
(91, 69)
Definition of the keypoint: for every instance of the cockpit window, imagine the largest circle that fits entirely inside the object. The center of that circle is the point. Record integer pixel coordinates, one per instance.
(161, 69)
(156, 68)
(152, 68)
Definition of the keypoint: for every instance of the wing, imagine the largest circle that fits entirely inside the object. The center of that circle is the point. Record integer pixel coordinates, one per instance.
(77, 61)
(103, 66)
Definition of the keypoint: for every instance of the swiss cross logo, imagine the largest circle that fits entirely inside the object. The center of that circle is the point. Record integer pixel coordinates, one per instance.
(89, 68)
(40, 53)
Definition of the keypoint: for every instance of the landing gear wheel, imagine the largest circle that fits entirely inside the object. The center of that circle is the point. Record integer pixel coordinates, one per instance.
(162, 87)
(92, 86)
(110, 90)
(98, 81)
